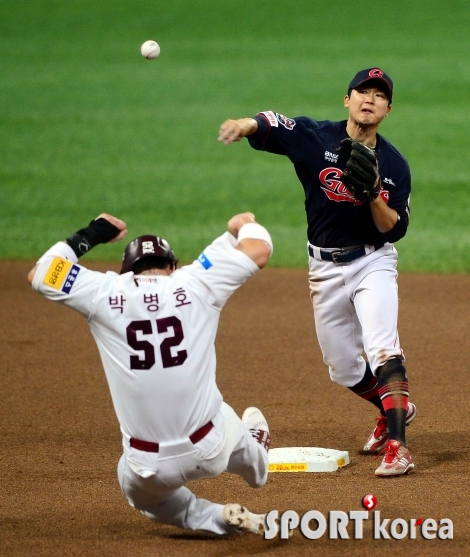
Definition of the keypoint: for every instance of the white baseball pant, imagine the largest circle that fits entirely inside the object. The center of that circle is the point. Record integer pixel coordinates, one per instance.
(356, 310)
(162, 497)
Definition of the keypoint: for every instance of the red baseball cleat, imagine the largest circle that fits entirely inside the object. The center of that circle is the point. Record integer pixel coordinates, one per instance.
(397, 460)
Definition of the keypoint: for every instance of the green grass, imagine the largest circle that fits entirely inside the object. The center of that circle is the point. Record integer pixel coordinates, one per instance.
(87, 125)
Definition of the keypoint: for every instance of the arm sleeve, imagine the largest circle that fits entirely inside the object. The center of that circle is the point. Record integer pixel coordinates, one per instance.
(400, 201)
(60, 278)
(399, 230)
(221, 269)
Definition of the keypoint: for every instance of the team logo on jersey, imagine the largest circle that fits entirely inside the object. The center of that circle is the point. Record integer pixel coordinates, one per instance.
(271, 118)
(335, 190)
(204, 261)
(388, 181)
(288, 123)
(61, 274)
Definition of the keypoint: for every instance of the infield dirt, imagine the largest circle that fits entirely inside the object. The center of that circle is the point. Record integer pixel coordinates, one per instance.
(59, 493)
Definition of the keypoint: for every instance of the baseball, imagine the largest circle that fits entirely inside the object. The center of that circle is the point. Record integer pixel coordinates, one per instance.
(150, 50)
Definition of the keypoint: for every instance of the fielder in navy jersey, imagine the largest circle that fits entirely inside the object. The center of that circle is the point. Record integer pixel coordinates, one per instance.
(352, 259)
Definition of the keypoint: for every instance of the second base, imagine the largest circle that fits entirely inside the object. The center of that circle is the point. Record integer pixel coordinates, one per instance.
(306, 459)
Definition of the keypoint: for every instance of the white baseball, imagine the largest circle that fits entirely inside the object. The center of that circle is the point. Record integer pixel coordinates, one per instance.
(150, 50)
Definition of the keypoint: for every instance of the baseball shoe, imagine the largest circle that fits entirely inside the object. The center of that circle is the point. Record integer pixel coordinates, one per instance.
(379, 437)
(397, 460)
(255, 421)
(242, 520)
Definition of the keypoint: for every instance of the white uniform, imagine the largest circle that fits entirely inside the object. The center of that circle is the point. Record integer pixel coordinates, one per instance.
(155, 335)
(352, 315)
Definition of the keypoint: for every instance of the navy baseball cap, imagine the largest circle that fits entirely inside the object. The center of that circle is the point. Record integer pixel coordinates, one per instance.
(375, 74)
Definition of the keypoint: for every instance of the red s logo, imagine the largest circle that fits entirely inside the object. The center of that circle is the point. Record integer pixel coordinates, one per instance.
(369, 502)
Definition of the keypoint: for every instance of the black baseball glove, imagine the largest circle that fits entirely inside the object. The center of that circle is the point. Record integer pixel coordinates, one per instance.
(360, 175)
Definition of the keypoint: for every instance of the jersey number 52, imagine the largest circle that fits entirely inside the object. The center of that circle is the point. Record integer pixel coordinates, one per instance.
(169, 359)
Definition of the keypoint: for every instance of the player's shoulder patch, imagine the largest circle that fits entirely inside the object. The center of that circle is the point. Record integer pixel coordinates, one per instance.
(61, 274)
(271, 118)
(204, 261)
(288, 123)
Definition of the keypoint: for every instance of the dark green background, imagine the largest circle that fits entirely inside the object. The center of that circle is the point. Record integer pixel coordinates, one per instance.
(88, 125)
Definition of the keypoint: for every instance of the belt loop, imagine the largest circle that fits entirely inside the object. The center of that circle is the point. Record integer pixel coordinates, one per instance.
(316, 252)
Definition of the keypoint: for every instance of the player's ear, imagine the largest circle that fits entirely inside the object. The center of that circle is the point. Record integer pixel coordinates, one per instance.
(346, 101)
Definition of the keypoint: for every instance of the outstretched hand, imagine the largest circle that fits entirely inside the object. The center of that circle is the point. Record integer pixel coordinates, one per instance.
(236, 130)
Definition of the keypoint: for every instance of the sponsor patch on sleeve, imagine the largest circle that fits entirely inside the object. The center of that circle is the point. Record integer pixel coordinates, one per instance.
(288, 123)
(204, 261)
(271, 118)
(61, 274)
(71, 278)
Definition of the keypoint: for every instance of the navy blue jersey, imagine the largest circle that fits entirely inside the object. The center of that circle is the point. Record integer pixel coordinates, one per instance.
(335, 219)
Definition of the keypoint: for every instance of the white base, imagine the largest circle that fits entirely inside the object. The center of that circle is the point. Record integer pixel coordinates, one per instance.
(306, 459)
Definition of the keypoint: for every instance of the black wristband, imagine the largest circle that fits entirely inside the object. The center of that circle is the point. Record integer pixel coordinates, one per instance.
(99, 231)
